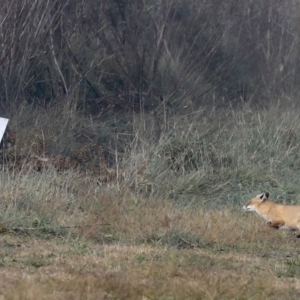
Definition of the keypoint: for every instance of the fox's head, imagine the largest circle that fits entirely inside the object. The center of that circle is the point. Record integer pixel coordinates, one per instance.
(256, 201)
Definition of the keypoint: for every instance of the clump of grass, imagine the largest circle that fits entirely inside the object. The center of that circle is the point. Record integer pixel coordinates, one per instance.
(217, 155)
(38, 203)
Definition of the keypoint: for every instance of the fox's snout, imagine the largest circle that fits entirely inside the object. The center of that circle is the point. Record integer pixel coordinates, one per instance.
(246, 208)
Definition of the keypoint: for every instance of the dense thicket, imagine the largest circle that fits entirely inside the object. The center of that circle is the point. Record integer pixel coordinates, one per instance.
(118, 55)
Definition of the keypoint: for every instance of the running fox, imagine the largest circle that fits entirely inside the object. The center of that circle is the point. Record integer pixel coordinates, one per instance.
(278, 216)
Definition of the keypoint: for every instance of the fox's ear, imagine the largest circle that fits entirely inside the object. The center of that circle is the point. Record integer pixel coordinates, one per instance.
(263, 196)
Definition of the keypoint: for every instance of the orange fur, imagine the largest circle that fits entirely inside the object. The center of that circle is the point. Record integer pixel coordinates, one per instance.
(278, 216)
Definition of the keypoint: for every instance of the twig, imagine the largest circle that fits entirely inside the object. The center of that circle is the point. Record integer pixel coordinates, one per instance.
(187, 242)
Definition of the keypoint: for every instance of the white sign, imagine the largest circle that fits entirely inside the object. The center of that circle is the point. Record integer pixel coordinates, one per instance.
(3, 124)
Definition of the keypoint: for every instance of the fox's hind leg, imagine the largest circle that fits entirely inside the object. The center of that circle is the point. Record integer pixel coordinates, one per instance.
(298, 234)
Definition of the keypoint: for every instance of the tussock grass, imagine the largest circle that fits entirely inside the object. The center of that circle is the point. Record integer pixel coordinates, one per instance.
(220, 156)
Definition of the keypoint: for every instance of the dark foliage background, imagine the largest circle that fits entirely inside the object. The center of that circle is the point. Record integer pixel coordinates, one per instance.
(133, 55)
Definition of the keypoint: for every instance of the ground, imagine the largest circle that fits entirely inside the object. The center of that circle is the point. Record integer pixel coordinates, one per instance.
(229, 256)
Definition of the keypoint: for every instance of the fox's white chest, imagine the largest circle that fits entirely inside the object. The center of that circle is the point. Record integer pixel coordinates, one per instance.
(265, 217)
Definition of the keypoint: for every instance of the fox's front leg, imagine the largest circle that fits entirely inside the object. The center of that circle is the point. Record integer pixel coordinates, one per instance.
(298, 234)
(275, 225)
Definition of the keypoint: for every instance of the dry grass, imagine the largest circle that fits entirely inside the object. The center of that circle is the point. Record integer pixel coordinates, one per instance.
(168, 225)
(120, 176)
(132, 248)
(62, 271)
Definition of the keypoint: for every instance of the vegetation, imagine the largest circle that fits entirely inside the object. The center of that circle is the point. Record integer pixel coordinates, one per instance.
(138, 130)
(123, 55)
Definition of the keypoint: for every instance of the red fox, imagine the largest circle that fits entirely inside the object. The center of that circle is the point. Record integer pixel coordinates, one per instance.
(278, 216)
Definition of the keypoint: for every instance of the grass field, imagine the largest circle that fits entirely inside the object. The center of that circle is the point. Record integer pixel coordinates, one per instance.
(164, 221)
(129, 248)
